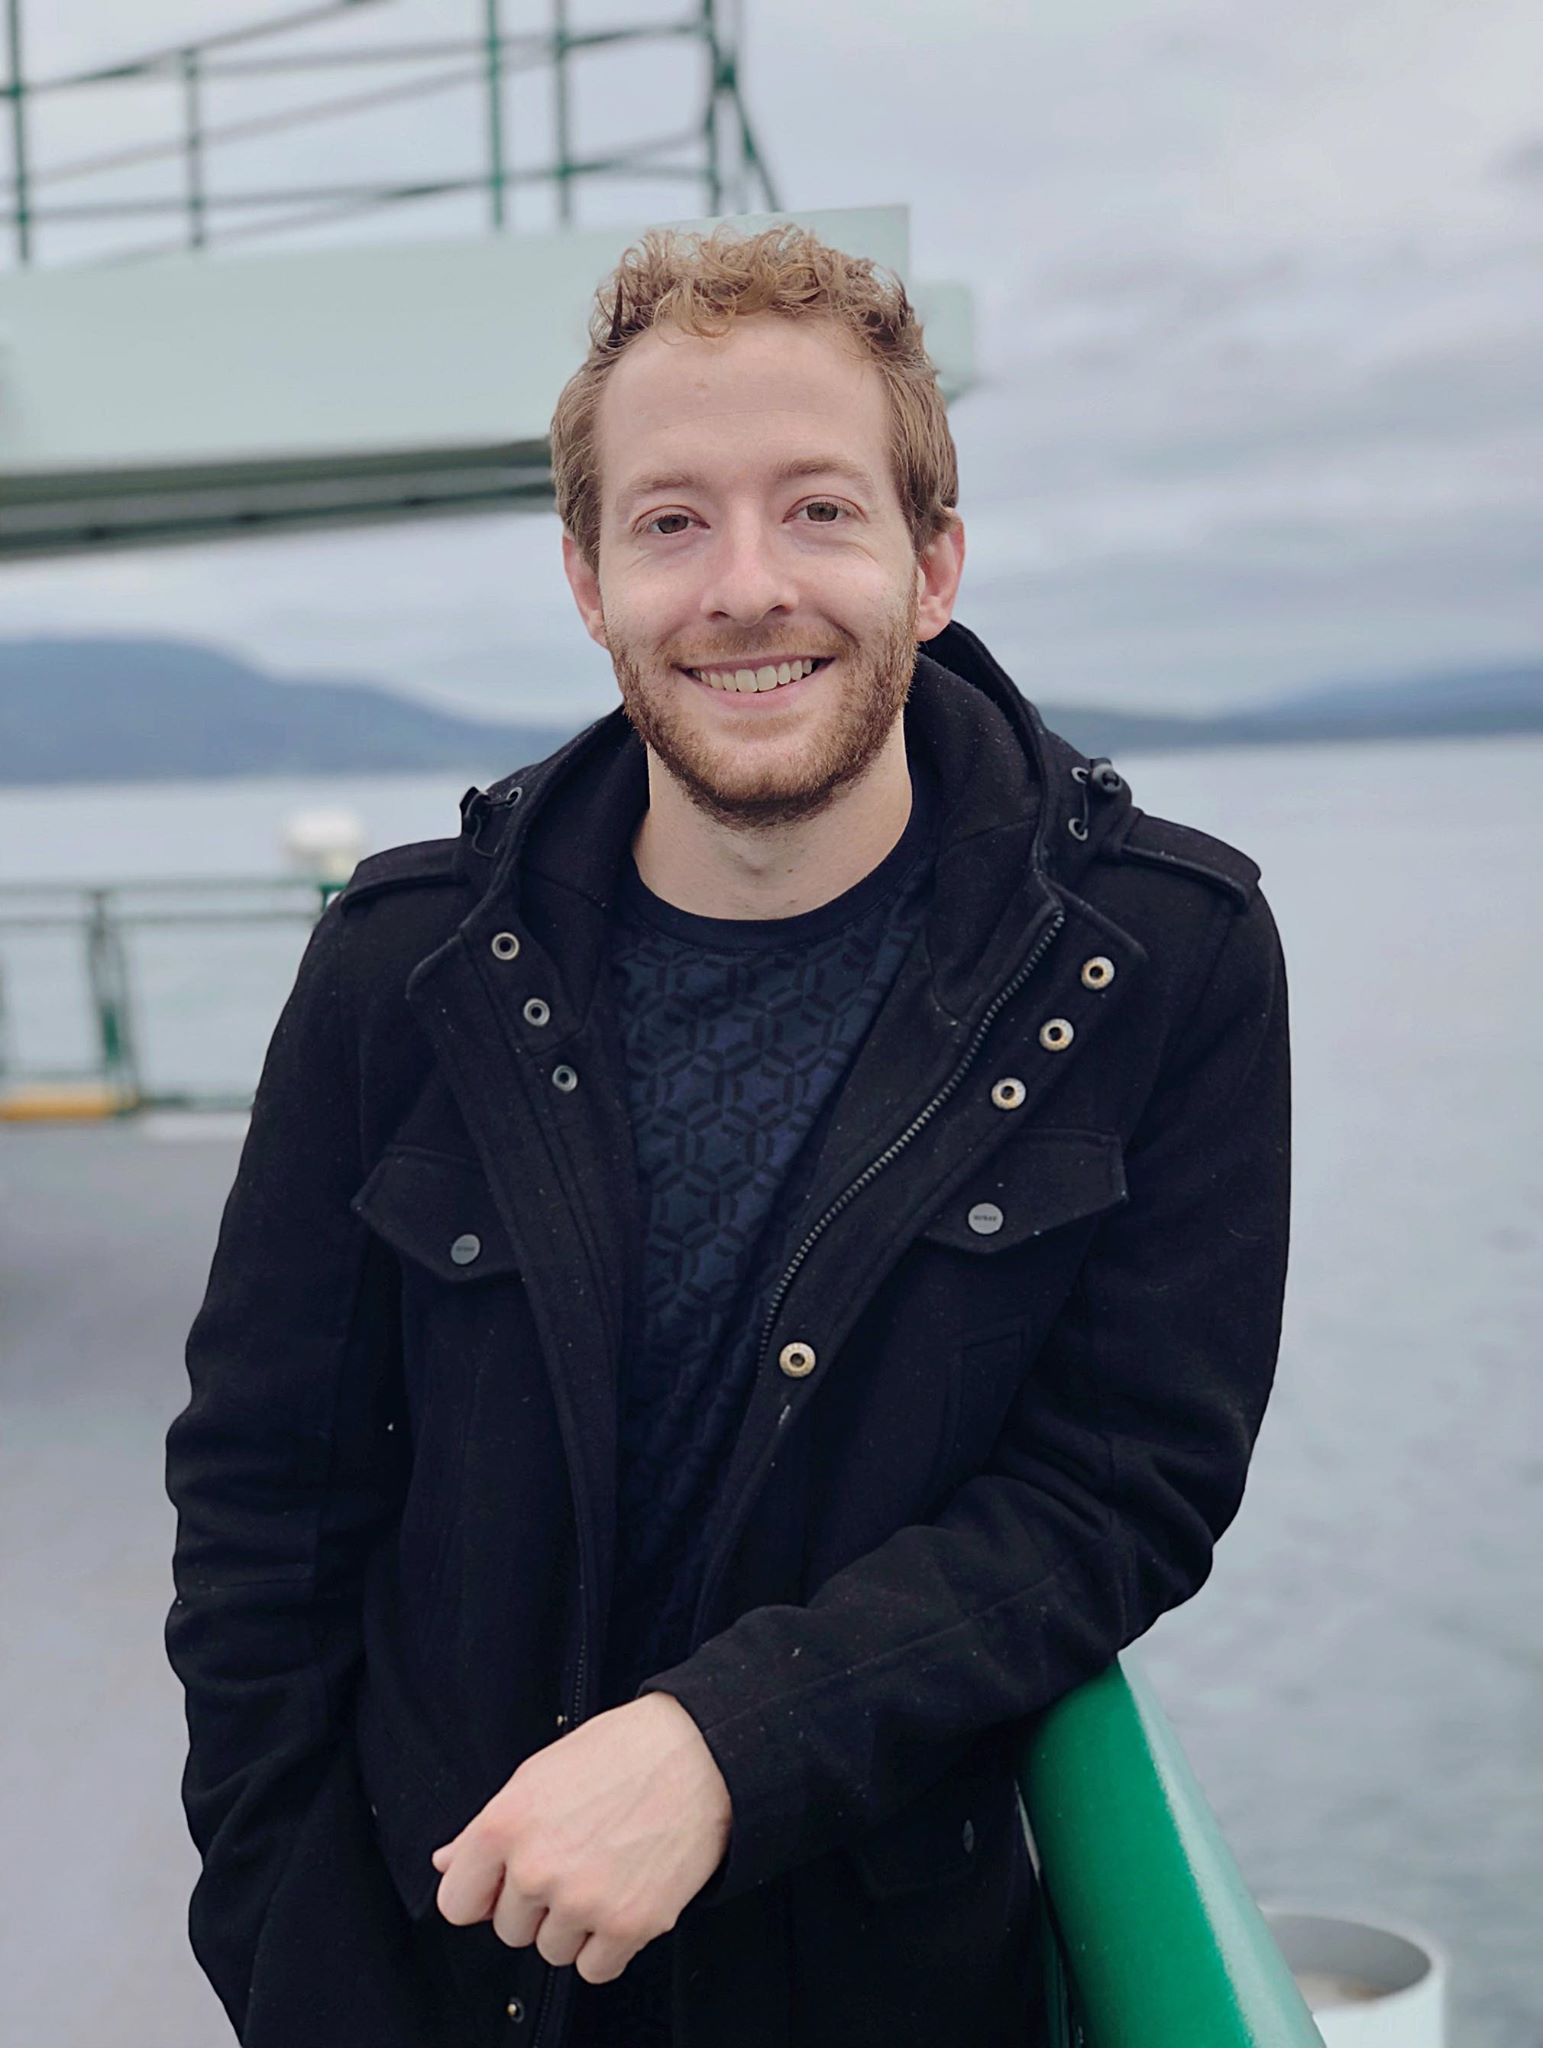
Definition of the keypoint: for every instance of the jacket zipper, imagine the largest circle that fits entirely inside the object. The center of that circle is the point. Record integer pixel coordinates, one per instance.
(549, 1987)
(923, 1117)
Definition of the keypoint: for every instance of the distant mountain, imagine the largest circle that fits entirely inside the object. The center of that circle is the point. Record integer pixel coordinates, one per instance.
(109, 710)
(129, 710)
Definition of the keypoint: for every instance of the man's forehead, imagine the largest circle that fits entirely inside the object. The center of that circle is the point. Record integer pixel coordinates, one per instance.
(761, 361)
(791, 395)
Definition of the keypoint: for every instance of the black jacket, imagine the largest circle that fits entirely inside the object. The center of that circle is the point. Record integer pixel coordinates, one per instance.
(975, 1464)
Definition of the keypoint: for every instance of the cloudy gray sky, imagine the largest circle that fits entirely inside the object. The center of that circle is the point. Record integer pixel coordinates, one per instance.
(1260, 307)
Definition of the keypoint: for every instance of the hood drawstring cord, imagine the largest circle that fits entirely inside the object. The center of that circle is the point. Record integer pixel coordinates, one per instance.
(478, 806)
(1104, 777)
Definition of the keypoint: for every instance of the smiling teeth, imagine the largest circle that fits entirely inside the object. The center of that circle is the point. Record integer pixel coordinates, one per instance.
(754, 678)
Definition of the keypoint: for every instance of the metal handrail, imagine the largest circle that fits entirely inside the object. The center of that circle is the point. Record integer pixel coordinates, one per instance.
(102, 914)
(1148, 1934)
(730, 165)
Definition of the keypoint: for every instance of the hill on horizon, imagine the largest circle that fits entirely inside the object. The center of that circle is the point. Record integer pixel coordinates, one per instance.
(128, 709)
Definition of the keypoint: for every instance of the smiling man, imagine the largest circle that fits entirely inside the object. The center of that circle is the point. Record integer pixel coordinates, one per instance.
(756, 1267)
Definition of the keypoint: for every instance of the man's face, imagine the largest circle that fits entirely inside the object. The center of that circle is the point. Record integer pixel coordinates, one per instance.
(750, 525)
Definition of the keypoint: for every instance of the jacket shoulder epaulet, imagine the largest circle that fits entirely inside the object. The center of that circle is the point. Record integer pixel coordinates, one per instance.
(423, 862)
(1186, 850)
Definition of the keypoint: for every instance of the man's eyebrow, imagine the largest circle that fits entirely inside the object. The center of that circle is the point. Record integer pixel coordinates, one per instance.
(788, 472)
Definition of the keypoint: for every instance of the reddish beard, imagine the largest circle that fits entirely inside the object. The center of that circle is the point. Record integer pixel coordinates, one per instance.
(783, 786)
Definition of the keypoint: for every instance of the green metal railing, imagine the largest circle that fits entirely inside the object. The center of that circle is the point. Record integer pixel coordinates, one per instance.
(1149, 1937)
(102, 917)
(715, 156)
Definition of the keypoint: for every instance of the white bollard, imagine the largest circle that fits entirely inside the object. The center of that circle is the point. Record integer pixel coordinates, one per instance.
(1367, 1985)
(325, 846)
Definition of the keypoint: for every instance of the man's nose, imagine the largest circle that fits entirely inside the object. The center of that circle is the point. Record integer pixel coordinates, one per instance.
(748, 576)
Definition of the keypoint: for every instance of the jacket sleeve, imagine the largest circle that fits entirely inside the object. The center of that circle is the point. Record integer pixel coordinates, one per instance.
(277, 1468)
(1121, 1463)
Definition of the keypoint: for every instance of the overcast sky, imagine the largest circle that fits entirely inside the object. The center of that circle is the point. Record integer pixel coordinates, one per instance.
(1260, 307)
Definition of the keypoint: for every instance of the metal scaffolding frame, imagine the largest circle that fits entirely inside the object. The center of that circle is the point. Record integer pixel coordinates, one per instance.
(722, 166)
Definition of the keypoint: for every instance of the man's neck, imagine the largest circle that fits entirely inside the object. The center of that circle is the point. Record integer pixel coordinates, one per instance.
(712, 869)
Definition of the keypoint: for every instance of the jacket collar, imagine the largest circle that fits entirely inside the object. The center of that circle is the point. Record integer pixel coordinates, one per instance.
(1017, 826)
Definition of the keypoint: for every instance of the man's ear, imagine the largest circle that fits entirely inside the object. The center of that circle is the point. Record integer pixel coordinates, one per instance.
(938, 569)
(585, 585)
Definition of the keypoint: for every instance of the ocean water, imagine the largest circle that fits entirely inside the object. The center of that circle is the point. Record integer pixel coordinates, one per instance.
(1359, 1685)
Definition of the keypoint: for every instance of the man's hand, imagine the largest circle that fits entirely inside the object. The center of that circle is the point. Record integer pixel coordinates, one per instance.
(597, 1842)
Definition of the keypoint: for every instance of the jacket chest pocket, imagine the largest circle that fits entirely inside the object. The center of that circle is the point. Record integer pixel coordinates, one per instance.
(460, 1333)
(1005, 1250)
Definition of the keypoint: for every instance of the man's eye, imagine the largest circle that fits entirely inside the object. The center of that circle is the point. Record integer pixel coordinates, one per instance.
(822, 511)
(658, 522)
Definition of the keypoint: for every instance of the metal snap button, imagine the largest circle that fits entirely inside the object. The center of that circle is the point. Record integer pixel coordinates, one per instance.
(968, 1837)
(515, 2008)
(466, 1248)
(565, 1079)
(1009, 1092)
(1097, 972)
(1055, 1034)
(796, 1360)
(536, 1011)
(985, 1219)
(505, 945)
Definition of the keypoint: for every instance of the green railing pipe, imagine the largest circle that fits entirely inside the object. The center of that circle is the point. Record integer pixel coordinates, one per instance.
(1150, 1925)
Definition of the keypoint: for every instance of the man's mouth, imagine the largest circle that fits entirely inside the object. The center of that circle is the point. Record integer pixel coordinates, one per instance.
(757, 677)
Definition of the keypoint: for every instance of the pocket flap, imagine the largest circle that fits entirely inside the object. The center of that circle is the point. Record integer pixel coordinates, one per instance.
(1035, 1183)
(439, 1211)
(938, 1835)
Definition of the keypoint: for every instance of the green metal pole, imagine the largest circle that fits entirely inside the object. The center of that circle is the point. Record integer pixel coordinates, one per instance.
(561, 111)
(495, 57)
(108, 973)
(195, 149)
(23, 216)
(710, 124)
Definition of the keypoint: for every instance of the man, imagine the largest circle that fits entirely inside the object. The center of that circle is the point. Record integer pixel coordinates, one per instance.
(754, 1268)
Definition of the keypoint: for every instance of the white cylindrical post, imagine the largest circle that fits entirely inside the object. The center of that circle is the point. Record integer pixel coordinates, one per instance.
(324, 845)
(1367, 1985)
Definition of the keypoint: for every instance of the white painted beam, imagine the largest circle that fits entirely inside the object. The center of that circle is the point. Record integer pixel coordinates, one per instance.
(196, 397)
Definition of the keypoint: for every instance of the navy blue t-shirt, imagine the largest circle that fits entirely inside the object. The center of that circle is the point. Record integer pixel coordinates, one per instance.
(736, 1033)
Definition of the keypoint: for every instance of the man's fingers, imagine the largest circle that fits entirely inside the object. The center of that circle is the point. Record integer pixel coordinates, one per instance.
(603, 1958)
(559, 1937)
(517, 1918)
(470, 1887)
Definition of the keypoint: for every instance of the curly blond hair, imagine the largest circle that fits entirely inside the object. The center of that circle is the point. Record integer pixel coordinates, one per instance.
(700, 283)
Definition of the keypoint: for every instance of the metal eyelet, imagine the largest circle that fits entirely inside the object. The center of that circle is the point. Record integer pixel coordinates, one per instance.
(1009, 1092)
(505, 945)
(536, 1011)
(796, 1360)
(1097, 972)
(1079, 775)
(1056, 1034)
(1077, 828)
(565, 1079)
